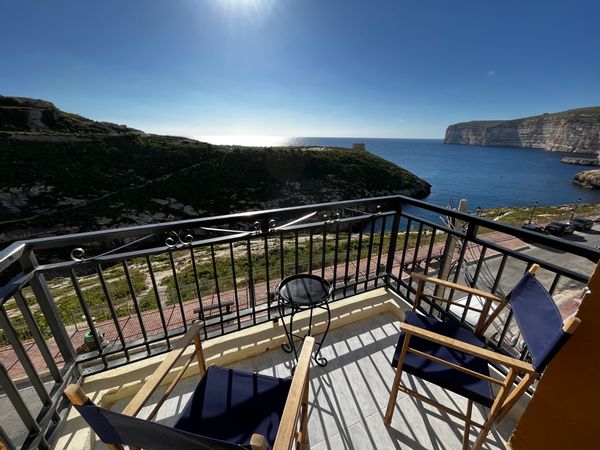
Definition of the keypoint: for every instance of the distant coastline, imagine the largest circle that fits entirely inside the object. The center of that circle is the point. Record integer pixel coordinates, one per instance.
(576, 131)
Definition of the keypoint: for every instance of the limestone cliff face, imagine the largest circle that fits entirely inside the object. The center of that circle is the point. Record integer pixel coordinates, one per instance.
(589, 179)
(576, 130)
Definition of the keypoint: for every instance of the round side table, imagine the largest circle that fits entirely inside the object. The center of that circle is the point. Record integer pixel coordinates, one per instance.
(299, 293)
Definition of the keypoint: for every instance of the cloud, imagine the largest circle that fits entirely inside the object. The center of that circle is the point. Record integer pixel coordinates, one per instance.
(492, 73)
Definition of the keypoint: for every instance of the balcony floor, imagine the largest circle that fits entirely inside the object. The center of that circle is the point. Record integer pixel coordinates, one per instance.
(348, 397)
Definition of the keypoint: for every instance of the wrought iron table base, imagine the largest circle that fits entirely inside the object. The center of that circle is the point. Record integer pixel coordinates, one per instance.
(289, 346)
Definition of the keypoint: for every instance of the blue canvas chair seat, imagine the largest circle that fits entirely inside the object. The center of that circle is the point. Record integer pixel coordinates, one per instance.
(457, 359)
(229, 409)
(231, 406)
(462, 383)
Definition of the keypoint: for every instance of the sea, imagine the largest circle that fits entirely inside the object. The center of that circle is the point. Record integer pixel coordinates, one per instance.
(487, 177)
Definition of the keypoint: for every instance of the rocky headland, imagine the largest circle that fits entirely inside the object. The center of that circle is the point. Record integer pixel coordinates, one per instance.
(588, 179)
(62, 173)
(576, 130)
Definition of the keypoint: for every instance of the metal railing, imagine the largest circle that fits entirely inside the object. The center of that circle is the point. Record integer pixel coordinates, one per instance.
(75, 305)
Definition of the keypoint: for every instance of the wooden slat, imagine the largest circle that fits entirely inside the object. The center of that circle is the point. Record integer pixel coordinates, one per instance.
(495, 409)
(387, 419)
(467, 348)
(486, 319)
(515, 395)
(171, 387)
(438, 405)
(154, 380)
(455, 366)
(452, 302)
(458, 287)
(289, 419)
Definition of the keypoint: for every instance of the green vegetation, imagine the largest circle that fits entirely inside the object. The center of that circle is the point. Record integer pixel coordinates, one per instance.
(589, 111)
(69, 306)
(517, 216)
(186, 277)
(68, 171)
(117, 177)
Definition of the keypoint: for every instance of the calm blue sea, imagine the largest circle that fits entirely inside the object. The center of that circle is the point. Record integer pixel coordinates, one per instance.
(486, 176)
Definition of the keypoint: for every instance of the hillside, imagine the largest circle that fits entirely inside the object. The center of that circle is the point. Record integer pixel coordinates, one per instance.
(576, 130)
(65, 173)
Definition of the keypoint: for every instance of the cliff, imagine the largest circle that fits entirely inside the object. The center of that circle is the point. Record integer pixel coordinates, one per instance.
(588, 179)
(576, 130)
(98, 175)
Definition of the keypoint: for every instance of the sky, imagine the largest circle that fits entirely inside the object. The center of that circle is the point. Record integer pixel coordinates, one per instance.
(379, 68)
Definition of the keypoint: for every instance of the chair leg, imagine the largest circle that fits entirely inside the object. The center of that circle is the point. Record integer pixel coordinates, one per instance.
(467, 425)
(495, 409)
(487, 426)
(387, 420)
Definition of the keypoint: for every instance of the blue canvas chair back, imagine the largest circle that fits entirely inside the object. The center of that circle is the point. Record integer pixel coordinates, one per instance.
(539, 320)
(114, 428)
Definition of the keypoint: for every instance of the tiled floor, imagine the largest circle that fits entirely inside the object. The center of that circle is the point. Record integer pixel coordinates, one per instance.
(348, 397)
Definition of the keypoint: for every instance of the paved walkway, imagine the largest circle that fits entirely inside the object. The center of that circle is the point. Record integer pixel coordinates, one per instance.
(151, 323)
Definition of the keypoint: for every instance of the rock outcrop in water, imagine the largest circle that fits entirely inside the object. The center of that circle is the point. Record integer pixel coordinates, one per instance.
(62, 173)
(576, 130)
(581, 161)
(588, 179)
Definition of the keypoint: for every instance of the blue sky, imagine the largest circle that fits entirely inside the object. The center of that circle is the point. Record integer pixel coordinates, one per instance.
(378, 68)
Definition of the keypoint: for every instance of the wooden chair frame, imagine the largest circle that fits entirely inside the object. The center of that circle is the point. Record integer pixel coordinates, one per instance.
(296, 406)
(507, 394)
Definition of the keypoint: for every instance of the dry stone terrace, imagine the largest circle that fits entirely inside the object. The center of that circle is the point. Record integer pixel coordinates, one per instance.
(174, 314)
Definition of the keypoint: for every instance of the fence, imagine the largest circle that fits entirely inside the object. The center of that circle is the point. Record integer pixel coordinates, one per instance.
(75, 305)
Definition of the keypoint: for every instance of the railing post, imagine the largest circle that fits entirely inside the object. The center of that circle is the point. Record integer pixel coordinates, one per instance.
(389, 265)
(48, 307)
(449, 249)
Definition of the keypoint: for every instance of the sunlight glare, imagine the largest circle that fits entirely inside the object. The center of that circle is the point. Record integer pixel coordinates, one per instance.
(249, 7)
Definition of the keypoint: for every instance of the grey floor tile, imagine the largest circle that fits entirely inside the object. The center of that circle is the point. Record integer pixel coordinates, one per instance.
(354, 437)
(348, 397)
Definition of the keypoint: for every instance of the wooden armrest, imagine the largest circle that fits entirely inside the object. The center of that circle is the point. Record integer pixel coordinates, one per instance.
(291, 412)
(458, 287)
(154, 380)
(467, 348)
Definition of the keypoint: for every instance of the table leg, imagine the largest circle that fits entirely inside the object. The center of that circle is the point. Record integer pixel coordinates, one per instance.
(320, 360)
(288, 346)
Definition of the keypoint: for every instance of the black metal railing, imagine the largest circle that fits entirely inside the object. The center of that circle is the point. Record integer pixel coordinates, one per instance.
(75, 305)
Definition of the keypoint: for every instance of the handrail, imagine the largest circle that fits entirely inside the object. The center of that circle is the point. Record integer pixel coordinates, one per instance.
(119, 233)
(11, 254)
(17, 248)
(560, 244)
